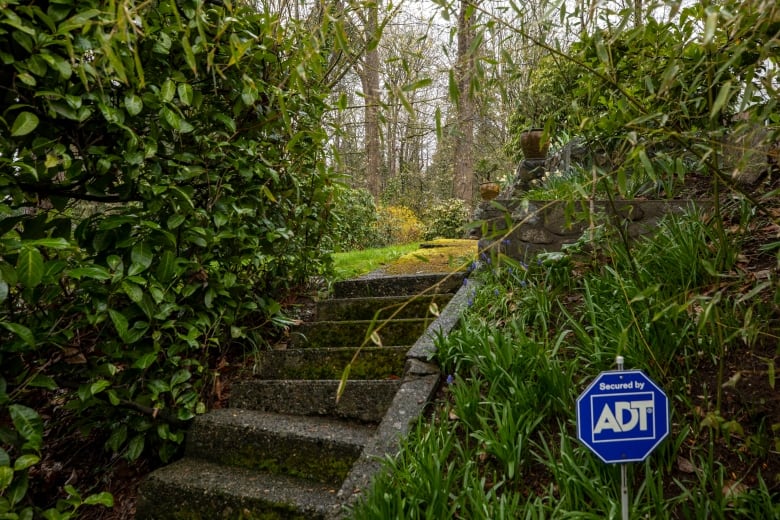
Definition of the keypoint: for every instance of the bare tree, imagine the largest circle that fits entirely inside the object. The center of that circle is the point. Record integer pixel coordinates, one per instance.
(369, 77)
(463, 185)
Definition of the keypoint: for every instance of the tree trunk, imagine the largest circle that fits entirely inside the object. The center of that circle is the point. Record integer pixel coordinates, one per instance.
(463, 185)
(392, 140)
(638, 14)
(370, 81)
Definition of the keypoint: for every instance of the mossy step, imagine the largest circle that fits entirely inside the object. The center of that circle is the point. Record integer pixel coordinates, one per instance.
(313, 448)
(330, 334)
(362, 400)
(371, 363)
(380, 307)
(200, 490)
(398, 285)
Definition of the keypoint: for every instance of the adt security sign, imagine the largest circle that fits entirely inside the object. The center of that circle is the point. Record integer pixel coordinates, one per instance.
(622, 416)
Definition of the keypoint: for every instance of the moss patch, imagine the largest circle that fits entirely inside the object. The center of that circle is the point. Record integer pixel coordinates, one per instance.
(436, 256)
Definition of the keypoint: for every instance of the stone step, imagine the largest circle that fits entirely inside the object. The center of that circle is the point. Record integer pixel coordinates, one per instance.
(365, 401)
(313, 448)
(380, 307)
(310, 363)
(200, 490)
(398, 285)
(330, 334)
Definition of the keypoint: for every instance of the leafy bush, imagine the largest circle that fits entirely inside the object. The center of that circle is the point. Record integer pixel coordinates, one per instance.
(397, 225)
(534, 334)
(354, 220)
(446, 219)
(158, 186)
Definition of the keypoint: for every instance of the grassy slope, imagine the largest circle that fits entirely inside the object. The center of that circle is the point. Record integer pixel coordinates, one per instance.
(436, 256)
(355, 263)
(688, 310)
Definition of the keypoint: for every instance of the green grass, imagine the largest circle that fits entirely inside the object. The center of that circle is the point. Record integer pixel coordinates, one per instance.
(355, 263)
(501, 441)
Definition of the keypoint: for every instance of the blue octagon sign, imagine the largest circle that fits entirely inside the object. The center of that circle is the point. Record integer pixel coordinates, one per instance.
(622, 416)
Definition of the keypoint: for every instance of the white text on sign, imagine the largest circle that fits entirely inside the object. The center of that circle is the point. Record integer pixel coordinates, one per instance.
(627, 415)
(628, 385)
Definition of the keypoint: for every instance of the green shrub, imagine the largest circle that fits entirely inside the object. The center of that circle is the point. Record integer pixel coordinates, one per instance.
(159, 190)
(397, 225)
(354, 220)
(446, 219)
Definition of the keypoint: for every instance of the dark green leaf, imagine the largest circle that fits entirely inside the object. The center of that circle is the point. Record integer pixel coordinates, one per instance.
(29, 266)
(710, 25)
(171, 117)
(78, 21)
(113, 398)
(24, 123)
(180, 377)
(135, 293)
(453, 88)
(6, 477)
(145, 361)
(133, 104)
(103, 498)
(26, 461)
(3, 291)
(136, 332)
(98, 386)
(94, 271)
(646, 163)
(166, 266)
(135, 447)
(601, 52)
(142, 255)
(720, 101)
(120, 322)
(415, 85)
(189, 56)
(175, 221)
(23, 332)
(167, 91)
(28, 423)
(43, 381)
(117, 438)
(158, 386)
(18, 489)
(185, 93)
(52, 243)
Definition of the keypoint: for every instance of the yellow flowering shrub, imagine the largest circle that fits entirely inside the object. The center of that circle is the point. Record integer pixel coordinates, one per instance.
(398, 225)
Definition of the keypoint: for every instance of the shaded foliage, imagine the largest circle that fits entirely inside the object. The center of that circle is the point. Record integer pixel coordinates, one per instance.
(666, 98)
(161, 177)
(354, 220)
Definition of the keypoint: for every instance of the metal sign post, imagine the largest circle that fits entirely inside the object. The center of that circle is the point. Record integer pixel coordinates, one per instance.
(623, 467)
(622, 416)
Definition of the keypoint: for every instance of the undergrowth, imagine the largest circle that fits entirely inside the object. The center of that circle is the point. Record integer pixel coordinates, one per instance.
(501, 440)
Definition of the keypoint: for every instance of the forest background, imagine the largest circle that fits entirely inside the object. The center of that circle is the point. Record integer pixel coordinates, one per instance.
(173, 173)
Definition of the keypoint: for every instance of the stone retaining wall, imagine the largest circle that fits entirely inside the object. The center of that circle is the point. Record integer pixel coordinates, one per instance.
(522, 228)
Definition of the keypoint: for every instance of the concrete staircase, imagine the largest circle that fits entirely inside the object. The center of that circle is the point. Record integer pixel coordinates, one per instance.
(285, 449)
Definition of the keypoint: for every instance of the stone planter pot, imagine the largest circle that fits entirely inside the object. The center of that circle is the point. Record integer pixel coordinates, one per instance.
(532, 145)
(489, 190)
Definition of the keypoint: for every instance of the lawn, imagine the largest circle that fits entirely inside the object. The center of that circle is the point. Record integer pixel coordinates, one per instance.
(434, 256)
(350, 264)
